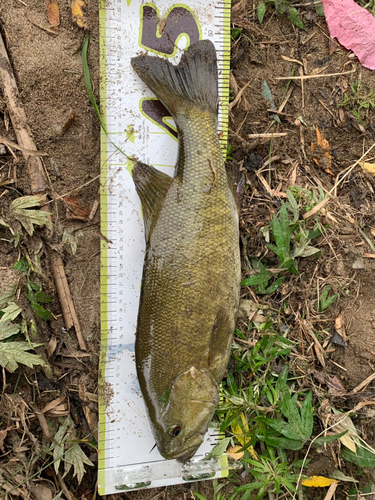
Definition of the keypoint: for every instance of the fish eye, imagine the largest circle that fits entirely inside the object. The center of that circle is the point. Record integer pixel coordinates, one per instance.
(174, 431)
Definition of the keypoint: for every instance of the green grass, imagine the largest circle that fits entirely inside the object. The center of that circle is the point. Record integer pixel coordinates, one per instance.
(281, 7)
(359, 99)
(269, 413)
(86, 74)
(291, 240)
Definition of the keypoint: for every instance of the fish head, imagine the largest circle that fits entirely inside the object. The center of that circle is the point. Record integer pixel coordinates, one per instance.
(190, 406)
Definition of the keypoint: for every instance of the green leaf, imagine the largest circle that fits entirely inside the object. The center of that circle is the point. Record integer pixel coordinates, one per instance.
(246, 487)
(307, 417)
(284, 443)
(4, 224)
(328, 439)
(22, 265)
(13, 353)
(326, 301)
(309, 250)
(76, 456)
(58, 444)
(294, 17)
(34, 286)
(41, 312)
(261, 10)
(219, 449)
(58, 495)
(298, 426)
(340, 476)
(8, 296)
(29, 218)
(319, 8)
(267, 94)
(363, 457)
(10, 312)
(292, 205)
(72, 239)
(235, 33)
(275, 285)
(199, 496)
(8, 329)
(43, 297)
(261, 278)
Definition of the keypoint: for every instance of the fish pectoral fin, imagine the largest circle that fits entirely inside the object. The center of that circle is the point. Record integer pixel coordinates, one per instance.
(220, 340)
(234, 176)
(152, 186)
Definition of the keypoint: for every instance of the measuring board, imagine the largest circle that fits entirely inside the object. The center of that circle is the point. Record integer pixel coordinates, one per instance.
(138, 125)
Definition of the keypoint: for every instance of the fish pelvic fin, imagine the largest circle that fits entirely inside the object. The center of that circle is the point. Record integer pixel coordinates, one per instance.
(151, 186)
(192, 83)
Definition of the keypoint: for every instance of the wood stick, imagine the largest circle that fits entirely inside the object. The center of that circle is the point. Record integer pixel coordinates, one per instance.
(38, 183)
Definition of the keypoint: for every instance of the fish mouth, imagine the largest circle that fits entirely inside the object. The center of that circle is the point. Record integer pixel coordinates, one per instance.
(187, 455)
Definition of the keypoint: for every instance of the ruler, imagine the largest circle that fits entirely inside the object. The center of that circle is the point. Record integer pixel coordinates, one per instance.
(137, 124)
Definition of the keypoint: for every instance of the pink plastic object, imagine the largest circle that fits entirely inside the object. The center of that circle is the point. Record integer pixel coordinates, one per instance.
(354, 28)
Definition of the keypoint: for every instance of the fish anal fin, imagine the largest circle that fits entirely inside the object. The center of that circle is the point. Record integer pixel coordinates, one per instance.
(151, 186)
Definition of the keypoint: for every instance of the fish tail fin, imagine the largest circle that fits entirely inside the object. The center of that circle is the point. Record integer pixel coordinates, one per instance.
(193, 82)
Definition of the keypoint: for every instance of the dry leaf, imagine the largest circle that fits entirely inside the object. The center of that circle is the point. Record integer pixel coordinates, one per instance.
(318, 481)
(319, 351)
(335, 386)
(78, 14)
(91, 417)
(322, 148)
(369, 167)
(53, 404)
(51, 346)
(348, 442)
(75, 210)
(233, 452)
(40, 492)
(53, 14)
(239, 432)
(340, 325)
(3, 435)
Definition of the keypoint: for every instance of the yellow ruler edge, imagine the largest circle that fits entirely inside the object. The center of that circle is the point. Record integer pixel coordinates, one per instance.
(103, 243)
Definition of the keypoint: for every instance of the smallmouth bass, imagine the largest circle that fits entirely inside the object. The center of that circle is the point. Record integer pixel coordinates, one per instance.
(191, 275)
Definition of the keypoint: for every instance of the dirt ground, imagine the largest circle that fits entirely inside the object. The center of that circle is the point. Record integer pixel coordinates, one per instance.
(49, 74)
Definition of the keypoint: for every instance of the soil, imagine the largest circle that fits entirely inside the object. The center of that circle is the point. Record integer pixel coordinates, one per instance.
(48, 69)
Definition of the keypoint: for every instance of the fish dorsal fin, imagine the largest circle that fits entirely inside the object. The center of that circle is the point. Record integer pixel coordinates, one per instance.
(152, 186)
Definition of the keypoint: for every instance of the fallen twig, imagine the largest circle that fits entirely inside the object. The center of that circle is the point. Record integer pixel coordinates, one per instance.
(42, 422)
(31, 152)
(307, 77)
(38, 182)
(269, 135)
(238, 96)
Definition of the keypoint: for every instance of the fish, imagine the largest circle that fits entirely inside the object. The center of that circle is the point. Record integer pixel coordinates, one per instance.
(191, 275)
